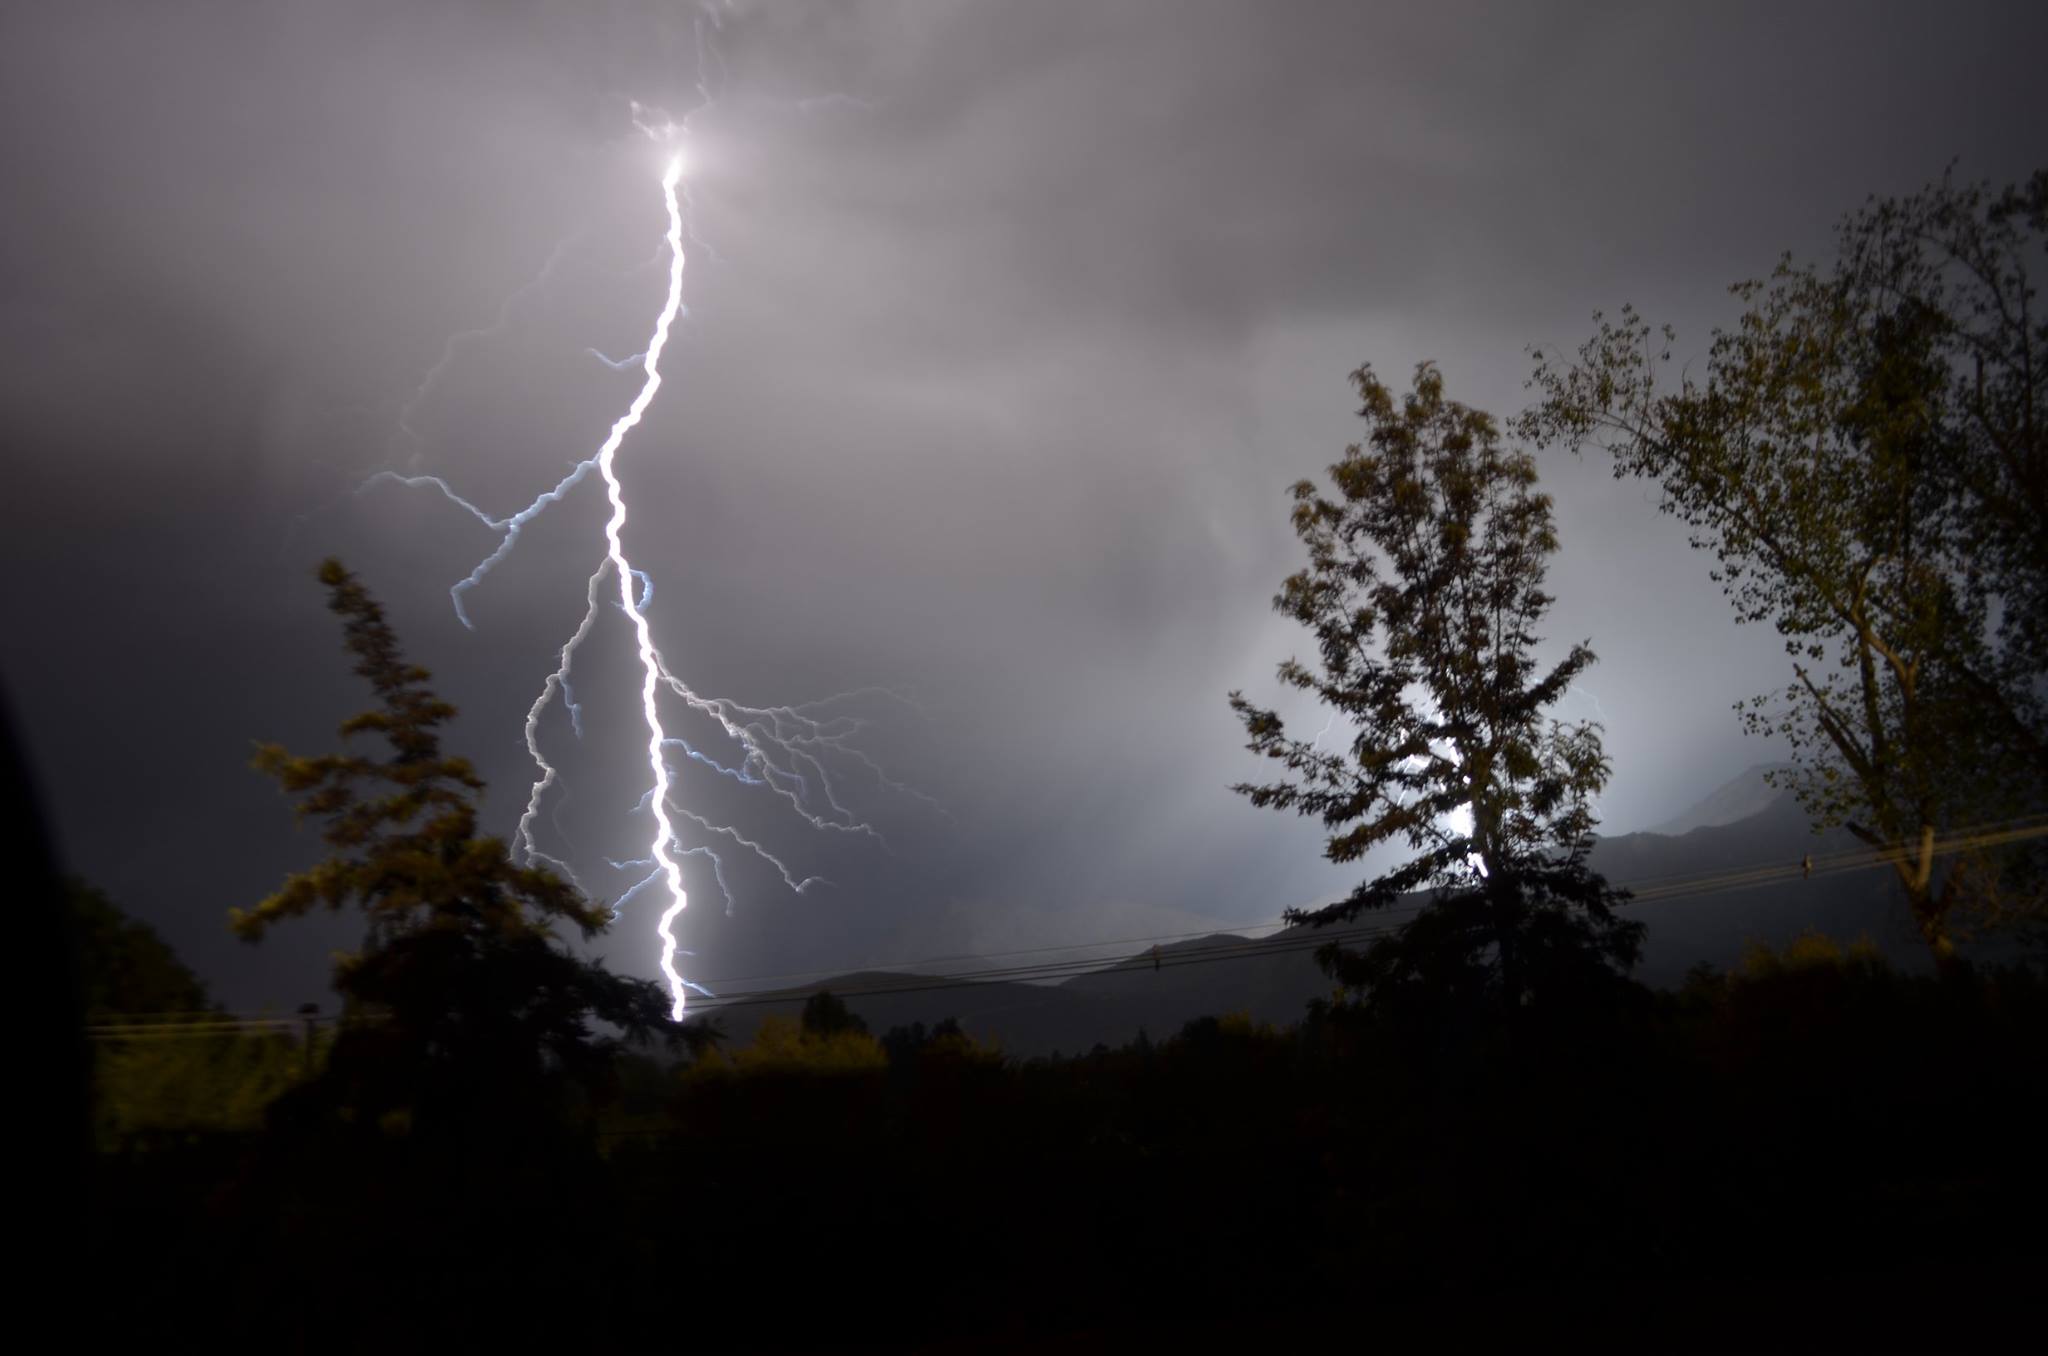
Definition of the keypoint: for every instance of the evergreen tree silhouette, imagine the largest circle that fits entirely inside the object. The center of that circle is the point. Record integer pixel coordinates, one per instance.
(463, 1004)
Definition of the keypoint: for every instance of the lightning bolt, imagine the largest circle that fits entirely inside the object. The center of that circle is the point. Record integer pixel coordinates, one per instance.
(462, 338)
(617, 566)
(558, 681)
(614, 528)
(508, 528)
(779, 749)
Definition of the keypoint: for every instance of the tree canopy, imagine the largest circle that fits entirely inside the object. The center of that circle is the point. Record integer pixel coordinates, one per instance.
(1864, 454)
(1423, 589)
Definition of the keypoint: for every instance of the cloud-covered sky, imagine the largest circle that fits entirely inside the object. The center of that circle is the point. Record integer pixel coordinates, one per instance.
(1009, 327)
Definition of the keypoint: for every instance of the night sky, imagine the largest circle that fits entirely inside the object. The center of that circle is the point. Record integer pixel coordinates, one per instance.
(1010, 326)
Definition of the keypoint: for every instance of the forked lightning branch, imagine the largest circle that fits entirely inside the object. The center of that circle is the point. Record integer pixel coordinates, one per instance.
(779, 751)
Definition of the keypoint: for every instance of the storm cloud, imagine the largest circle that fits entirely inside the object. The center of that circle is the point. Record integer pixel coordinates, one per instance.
(1008, 327)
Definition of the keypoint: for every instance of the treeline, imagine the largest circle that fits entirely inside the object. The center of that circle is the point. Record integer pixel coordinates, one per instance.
(1675, 1171)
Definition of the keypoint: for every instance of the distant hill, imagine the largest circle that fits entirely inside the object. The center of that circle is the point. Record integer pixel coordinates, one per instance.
(1275, 982)
(1714, 927)
(1739, 799)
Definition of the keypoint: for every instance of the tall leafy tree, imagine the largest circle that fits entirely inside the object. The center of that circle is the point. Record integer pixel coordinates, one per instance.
(1864, 453)
(463, 1002)
(1424, 589)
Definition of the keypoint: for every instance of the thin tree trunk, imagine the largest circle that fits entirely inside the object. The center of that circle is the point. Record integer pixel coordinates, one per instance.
(1915, 865)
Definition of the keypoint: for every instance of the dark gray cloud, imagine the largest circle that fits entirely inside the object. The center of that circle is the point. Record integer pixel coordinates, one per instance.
(1015, 322)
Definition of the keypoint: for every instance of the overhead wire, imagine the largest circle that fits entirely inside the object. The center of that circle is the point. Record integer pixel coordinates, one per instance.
(1292, 939)
(1654, 889)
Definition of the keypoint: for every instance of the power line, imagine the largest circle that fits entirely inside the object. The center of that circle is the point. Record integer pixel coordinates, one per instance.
(1023, 974)
(1221, 930)
(1293, 939)
(201, 1027)
(1272, 946)
(1997, 833)
(2001, 833)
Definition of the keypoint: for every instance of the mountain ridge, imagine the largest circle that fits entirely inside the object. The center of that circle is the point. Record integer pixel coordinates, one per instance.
(1113, 1003)
(1740, 797)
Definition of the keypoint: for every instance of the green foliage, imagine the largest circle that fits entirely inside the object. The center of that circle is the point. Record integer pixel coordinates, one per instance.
(1424, 589)
(403, 828)
(147, 1088)
(781, 1046)
(1865, 455)
(463, 1004)
(168, 1083)
(1810, 950)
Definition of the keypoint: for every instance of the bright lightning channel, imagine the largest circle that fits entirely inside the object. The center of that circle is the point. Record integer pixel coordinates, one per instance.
(779, 744)
(650, 660)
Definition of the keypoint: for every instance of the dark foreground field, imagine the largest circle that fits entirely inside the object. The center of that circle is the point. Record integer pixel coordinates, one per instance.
(1813, 1155)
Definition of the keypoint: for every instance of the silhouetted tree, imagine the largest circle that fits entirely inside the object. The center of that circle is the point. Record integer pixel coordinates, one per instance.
(826, 1014)
(902, 1043)
(1423, 590)
(125, 968)
(462, 1004)
(165, 1077)
(1867, 457)
(917, 1049)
